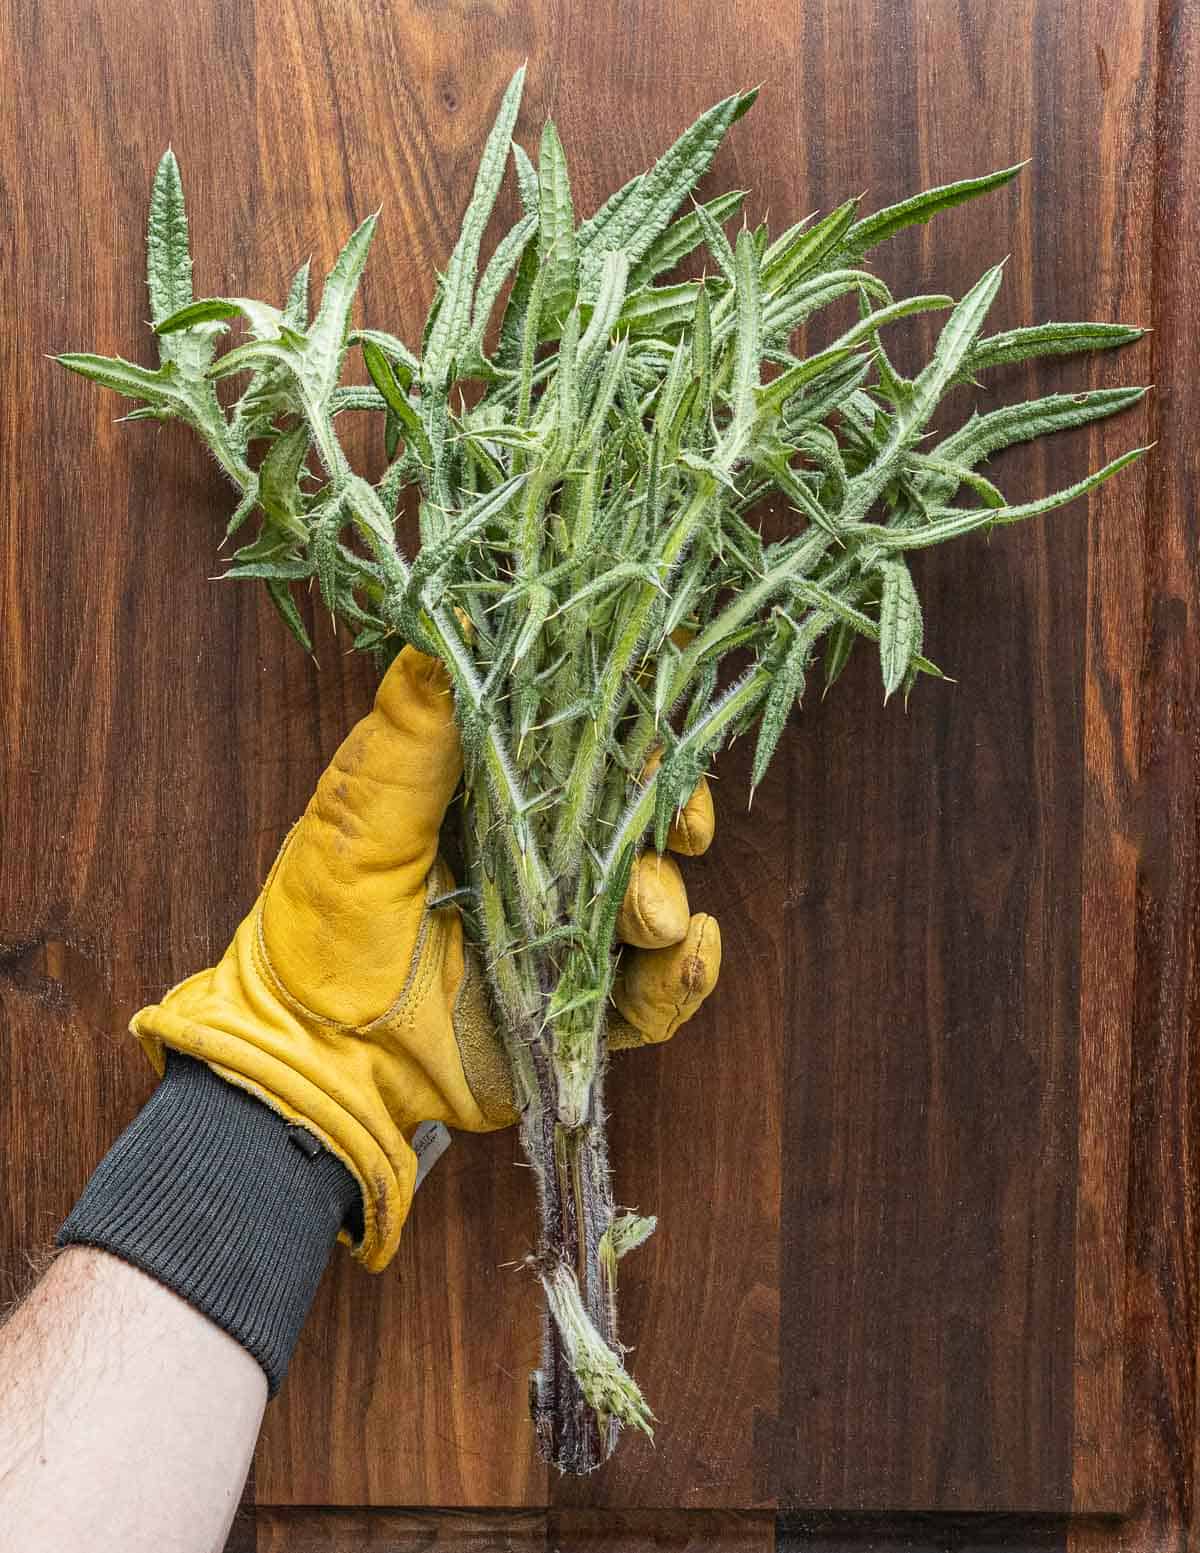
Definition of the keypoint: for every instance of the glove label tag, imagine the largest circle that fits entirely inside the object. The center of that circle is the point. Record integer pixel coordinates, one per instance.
(429, 1142)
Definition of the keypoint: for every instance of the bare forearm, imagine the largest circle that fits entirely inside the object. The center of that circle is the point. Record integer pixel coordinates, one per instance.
(127, 1419)
(134, 1377)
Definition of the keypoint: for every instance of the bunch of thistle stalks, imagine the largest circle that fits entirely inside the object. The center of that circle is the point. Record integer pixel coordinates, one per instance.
(589, 569)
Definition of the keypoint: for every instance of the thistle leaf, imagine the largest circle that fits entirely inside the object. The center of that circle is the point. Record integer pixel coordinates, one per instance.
(1030, 344)
(787, 688)
(684, 236)
(168, 259)
(327, 339)
(295, 309)
(900, 625)
(159, 389)
(397, 400)
(791, 259)
(557, 251)
(953, 522)
(452, 323)
(527, 180)
(640, 213)
(717, 243)
(884, 224)
(283, 601)
(984, 435)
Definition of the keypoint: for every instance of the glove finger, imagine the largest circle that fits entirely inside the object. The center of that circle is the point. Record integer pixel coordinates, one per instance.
(655, 910)
(380, 803)
(344, 905)
(691, 831)
(657, 990)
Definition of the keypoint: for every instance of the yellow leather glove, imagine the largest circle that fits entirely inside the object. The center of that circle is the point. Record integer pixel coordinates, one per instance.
(353, 1009)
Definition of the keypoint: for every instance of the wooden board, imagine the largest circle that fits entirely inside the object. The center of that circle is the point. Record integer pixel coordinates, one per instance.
(891, 1161)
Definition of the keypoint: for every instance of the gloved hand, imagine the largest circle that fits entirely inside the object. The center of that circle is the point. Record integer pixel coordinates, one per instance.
(355, 1011)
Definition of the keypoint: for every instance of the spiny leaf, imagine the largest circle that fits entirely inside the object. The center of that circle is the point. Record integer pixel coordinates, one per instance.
(638, 216)
(717, 243)
(326, 340)
(158, 388)
(404, 363)
(610, 299)
(842, 639)
(169, 270)
(747, 349)
(169, 262)
(884, 224)
(295, 309)
(1029, 344)
(283, 601)
(527, 179)
(789, 261)
(684, 236)
(900, 624)
(398, 402)
(557, 251)
(787, 687)
(984, 435)
(453, 320)
(495, 276)
(953, 522)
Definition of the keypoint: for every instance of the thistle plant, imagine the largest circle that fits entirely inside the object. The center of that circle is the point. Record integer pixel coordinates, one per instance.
(589, 569)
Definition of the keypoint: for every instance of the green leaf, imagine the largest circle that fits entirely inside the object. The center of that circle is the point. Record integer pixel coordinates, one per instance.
(452, 324)
(405, 364)
(527, 179)
(372, 521)
(295, 309)
(326, 339)
(500, 266)
(796, 255)
(286, 569)
(397, 400)
(278, 481)
(747, 349)
(842, 640)
(283, 601)
(169, 270)
(787, 687)
(952, 522)
(557, 251)
(900, 624)
(1040, 340)
(884, 224)
(717, 243)
(984, 435)
(641, 212)
(168, 260)
(684, 236)
(158, 388)
(659, 310)
(325, 554)
(610, 299)
(253, 356)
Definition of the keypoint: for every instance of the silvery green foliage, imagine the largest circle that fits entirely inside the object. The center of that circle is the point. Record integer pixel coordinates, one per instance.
(589, 569)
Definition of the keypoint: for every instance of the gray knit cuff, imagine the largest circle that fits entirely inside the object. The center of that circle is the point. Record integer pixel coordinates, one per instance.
(218, 1198)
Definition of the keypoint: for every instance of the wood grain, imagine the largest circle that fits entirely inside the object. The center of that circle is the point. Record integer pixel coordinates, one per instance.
(892, 1159)
(946, 1098)
(559, 1531)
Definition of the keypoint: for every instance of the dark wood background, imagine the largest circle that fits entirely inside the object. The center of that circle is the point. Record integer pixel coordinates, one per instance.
(926, 1166)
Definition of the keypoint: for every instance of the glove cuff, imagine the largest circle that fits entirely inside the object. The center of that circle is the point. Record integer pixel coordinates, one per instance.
(220, 1200)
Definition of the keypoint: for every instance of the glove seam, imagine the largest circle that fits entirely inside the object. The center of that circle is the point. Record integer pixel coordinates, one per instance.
(420, 974)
